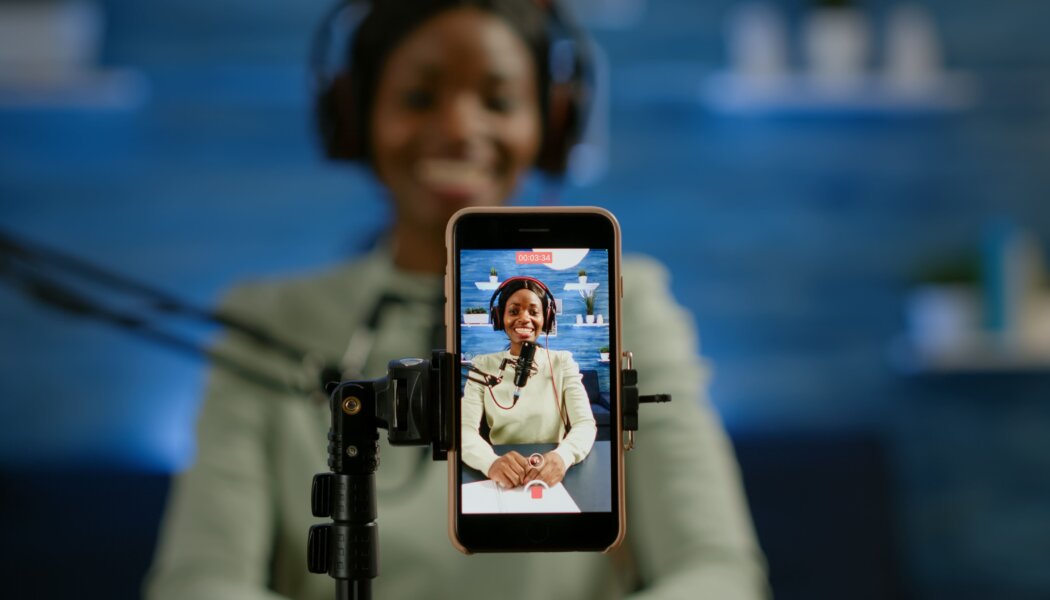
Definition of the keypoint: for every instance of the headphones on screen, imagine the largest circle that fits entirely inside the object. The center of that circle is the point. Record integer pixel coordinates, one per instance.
(337, 88)
(550, 305)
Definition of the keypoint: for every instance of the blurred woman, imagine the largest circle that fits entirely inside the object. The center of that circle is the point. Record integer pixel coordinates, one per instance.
(450, 102)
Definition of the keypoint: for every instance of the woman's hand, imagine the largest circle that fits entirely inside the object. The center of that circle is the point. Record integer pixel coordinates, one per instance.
(509, 470)
(551, 470)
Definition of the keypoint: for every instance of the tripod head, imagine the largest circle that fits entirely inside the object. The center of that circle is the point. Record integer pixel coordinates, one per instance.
(413, 403)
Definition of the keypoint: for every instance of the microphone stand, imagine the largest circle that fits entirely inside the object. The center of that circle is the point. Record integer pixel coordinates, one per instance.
(490, 381)
(47, 276)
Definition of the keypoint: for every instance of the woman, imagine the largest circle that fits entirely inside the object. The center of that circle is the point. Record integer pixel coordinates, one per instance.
(450, 101)
(552, 403)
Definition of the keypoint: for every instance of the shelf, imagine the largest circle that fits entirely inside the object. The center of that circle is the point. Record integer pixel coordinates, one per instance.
(109, 90)
(802, 95)
(986, 356)
(582, 288)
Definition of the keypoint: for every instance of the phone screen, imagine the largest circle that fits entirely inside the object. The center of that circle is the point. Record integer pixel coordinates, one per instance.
(536, 334)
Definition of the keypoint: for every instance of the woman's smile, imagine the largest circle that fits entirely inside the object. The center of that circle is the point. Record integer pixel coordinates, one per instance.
(454, 179)
(525, 332)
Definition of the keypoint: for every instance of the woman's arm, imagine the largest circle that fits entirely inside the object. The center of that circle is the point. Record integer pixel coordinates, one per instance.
(578, 443)
(507, 470)
(689, 529)
(216, 539)
(477, 453)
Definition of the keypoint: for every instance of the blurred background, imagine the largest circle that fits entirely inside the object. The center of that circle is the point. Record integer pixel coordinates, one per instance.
(853, 199)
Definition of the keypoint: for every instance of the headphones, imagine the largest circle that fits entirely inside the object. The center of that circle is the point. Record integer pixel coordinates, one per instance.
(550, 305)
(568, 81)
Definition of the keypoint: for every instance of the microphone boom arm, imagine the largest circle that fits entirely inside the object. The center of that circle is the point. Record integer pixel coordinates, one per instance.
(488, 380)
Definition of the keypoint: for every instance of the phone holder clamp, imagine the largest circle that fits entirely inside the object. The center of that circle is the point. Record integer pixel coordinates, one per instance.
(631, 400)
(414, 404)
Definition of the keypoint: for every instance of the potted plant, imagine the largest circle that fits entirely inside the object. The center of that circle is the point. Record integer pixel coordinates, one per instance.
(603, 353)
(583, 276)
(493, 275)
(475, 315)
(588, 302)
(944, 311)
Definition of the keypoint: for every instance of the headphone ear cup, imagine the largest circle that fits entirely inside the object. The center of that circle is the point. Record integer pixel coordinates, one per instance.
(495, 317)
(550, 311)
(337, 119)
(561, 131)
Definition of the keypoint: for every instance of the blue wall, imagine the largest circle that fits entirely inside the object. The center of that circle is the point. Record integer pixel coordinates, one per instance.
(792, 240)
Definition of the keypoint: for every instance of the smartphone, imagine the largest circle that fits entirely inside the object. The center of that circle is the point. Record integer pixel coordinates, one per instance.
(533, 314)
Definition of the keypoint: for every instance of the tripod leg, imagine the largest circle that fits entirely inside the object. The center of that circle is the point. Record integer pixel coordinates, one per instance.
(346, 589)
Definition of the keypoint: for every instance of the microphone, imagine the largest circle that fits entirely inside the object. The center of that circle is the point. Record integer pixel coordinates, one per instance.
(523, 366)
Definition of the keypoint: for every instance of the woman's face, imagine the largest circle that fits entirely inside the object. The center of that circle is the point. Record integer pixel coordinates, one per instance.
(456, 119)
(523, 317)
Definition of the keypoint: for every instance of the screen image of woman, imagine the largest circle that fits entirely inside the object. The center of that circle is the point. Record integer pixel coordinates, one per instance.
(551, 407)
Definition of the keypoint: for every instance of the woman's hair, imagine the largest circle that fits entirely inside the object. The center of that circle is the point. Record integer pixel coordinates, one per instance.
(525, 284)
(388, 23)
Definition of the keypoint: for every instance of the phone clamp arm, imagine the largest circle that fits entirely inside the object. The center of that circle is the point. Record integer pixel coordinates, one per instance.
(631, 400)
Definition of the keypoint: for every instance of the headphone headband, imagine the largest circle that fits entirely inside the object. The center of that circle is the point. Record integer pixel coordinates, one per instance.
(510, 280)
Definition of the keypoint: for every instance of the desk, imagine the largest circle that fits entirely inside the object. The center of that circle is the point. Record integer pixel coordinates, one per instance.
(587, 482)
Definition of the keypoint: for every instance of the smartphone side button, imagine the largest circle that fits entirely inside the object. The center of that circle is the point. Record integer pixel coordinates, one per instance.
(621, 286)
(537, 534)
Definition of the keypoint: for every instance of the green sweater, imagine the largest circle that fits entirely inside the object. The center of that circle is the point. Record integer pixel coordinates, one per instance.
(535, 417)
(237, 520)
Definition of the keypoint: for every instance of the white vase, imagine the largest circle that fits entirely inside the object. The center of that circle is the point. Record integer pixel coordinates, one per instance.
(599, 319)
(758, 41)
(944, 318)
(493, 278)
(604, 356)
(579, 319)
(590, 319)
(583, 279)
(914, 57)
(836, 43)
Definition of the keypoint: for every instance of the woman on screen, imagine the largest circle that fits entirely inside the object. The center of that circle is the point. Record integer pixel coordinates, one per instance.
(552, 406)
